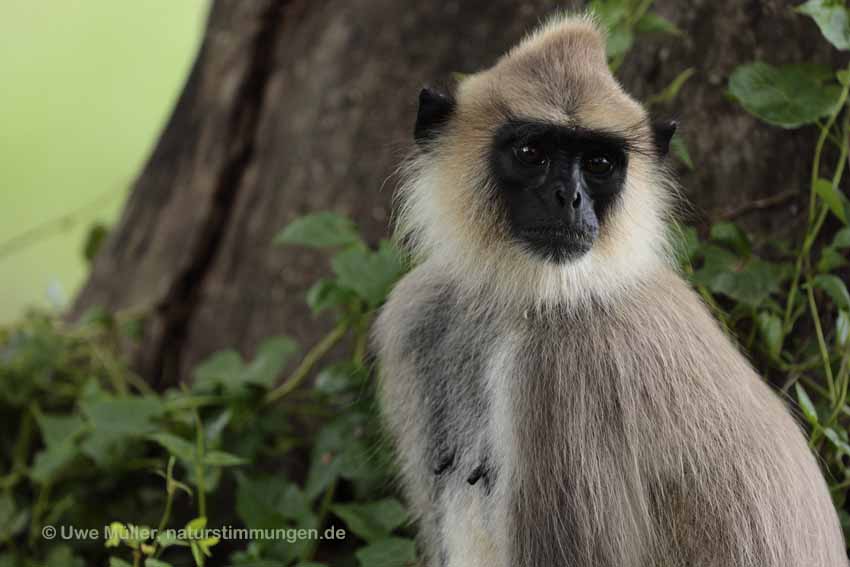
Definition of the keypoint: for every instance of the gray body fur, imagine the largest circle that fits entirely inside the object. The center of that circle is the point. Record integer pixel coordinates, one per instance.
(627, 434)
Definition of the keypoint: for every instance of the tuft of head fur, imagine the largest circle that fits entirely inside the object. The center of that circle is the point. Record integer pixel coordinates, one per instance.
(447, 215)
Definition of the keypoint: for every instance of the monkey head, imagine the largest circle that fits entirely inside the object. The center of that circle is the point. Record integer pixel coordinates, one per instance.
(539, 173)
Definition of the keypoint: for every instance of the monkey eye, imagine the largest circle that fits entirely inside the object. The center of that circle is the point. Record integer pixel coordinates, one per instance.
(598, 165)
(531, 155)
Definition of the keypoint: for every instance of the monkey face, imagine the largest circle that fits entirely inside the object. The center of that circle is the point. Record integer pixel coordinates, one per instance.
(540, 176)
(556, 184)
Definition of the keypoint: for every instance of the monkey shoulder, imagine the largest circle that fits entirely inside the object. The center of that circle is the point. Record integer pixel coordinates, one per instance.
(426, 312)
(434, 348)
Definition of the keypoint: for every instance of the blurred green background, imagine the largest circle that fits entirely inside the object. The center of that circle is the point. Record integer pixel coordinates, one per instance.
(86, 87)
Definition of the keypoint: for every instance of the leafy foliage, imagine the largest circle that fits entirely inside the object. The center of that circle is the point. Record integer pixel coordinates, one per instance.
(624, 19)
(789, 96)
(832, 19)
(92, 432)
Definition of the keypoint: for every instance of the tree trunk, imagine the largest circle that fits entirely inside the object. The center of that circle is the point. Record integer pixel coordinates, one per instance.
(296, 106)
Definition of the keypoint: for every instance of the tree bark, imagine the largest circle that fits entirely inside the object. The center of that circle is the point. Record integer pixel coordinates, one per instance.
(295, 106)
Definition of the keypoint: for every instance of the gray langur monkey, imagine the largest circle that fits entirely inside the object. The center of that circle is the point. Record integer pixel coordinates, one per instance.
(557, 394)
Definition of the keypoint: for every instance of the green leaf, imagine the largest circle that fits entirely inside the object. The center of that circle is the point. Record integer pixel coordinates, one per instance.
(151, 562)
(836, 440)
(115, 531)
(732, 236)
(224, 368)
(107, 449)
(62, 556)
(116, 562)
(651, 22)
(609, 13)
(340, 450)
(58, 508)
(196, 524)
(832, 18)
(806, 405)
(390, 552)
(49, 462)
(369, 274)
(12, 520)
(835, 288)
(58, 429)
(830, 259)
(672, 90)
(340, 377)
(327, 294)
(680, 150)
(783, 96)
(177, 446)
(197, 554)
(842, 239)
(842, 329)
(267, 502)
(222, 459)
(115, 423)
(227, 370)
(833, 198)
(206, 543)
(216, 426)
(817, 72)
(372, 521)
(168, 538)
(749, 281)
(319, 230)
(770, 329)
(620, 41)
(129, 416)
(272, 356)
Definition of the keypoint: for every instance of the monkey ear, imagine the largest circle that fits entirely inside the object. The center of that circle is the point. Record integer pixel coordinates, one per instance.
(662, 133)
(435, 109)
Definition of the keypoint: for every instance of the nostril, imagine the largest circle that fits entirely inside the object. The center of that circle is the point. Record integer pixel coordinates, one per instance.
(577, 200)
(561, 197)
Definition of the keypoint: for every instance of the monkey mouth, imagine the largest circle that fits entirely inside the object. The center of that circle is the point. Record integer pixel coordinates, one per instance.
(555, 232)
(557, 243)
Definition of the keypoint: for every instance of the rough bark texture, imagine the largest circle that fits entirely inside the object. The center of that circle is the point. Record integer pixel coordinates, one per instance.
(296, 106)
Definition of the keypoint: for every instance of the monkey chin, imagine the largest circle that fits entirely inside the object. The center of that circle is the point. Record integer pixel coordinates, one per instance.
(557, 245)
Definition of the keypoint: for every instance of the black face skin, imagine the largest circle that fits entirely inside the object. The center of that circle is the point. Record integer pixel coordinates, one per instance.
(557, 184)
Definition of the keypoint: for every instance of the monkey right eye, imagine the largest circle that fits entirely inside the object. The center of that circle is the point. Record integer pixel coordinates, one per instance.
(530, 155)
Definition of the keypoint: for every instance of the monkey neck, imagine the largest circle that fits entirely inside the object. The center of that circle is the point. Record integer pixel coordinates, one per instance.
(541, 289)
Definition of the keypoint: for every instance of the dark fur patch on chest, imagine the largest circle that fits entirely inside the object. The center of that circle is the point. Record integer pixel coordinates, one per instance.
(448, 346)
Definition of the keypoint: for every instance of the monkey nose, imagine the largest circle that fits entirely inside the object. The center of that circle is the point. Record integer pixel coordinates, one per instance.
(564, 197)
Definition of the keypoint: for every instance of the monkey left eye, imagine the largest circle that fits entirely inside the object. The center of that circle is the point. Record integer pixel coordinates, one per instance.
(530, 155)
(598, 165)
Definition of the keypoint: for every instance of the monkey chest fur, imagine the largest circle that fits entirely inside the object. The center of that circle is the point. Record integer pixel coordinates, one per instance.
(576, 436)
(500, 415)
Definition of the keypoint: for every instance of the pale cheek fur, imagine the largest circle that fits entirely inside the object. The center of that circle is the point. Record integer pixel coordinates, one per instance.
(451, 224)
